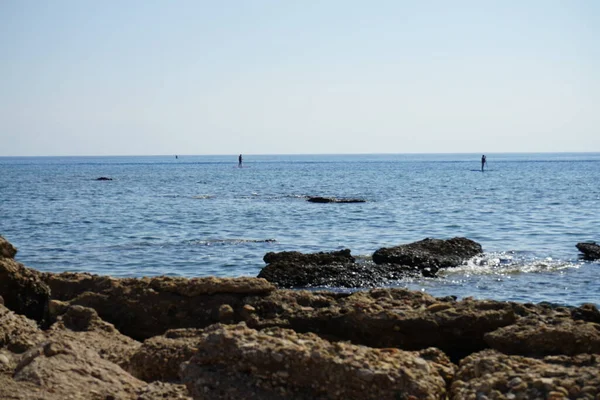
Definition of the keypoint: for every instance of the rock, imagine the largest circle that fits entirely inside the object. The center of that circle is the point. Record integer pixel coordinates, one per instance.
(292, 269)
(294, 257)
(235, 362)
(385, 318)
(17, 332)
(333, 200)
(23, 290)
(67, 369)
(429, 255)
(83, 325)
(104, 178)
(590, 250)
(159, 358)
(146, 307)
(533, 337)
(163, 391)
(7, 250)
(586, 312)
(490, 374)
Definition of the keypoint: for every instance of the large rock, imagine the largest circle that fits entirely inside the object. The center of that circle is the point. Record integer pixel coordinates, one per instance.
(292, 269)
(385, 318)
(590, 250)
(235, 362)
(533, 337)
(67, 369)
(146, 307)
(493, 375)
(83, 325)
(429, 255)
(17, 332)
(159, 358)
(23, 290)
(7, 250)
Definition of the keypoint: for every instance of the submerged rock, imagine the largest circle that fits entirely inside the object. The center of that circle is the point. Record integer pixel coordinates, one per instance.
(333, 200)
(429, 255)
(104, 178)
(235, 362)
(590, 250)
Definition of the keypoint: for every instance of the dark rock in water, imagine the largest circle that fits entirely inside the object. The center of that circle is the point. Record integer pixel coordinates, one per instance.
(590, 250)
(292, 269)
(104, 178)
(429, 255)
(321, 258)
(334, 200)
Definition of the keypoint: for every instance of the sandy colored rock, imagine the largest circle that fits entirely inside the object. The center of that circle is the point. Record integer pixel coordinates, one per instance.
(234, 361)
(493, 375)
(17, 332)
(147, 307)
(164, 391)
(7, 250)
(385, 318)
(160, 357)
(69, 370)
(532, 337)
(23, 290)
(83, 325)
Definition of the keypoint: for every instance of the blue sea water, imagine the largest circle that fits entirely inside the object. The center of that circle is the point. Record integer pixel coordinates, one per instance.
(202, 215)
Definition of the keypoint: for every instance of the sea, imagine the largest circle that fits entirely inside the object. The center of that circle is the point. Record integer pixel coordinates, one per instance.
(195, 216)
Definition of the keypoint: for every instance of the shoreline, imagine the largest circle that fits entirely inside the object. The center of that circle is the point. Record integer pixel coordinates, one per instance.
(225, 338)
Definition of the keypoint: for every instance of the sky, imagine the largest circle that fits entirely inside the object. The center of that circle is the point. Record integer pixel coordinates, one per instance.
(159, 77)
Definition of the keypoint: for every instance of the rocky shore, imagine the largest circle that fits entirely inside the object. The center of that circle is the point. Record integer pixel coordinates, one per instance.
(84, 336)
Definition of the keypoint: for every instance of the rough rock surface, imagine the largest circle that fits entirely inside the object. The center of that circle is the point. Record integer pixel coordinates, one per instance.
(385, 318)
(160, 357)
(535, 337)
(319, 199)
(83, 325)
(590, 250)
(493, 375)
(429, 255)
(146, 307)
(17, 332)
(64, 368)
(292, 269)
(235, 362)
(7, 250)
(23, 290)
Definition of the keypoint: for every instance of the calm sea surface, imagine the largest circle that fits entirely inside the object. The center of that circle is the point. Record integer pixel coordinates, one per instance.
(202, 215)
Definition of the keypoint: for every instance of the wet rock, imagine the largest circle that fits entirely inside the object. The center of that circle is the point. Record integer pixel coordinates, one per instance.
(23, 290)
(533, 337)
(429, 255)
(333, 200)
(590, 250)
(83, 325)
(292, 269)
(146, 307)
(385, 318)
(490, 374)
(17, 332)
(159, 358)
(237, 362)
(7, 250)
(586, 312)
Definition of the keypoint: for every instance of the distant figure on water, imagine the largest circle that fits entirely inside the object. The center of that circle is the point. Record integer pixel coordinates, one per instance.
(483, 162)
(176, 157)
(240, 161)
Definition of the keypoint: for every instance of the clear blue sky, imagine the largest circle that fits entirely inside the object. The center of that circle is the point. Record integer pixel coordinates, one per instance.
(278, 77)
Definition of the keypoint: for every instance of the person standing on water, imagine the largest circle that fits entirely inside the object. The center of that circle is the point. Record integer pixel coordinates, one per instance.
(483, 162)
(240, 161)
